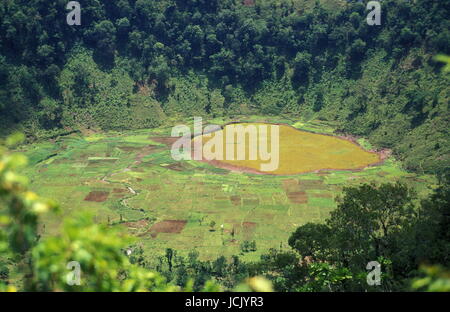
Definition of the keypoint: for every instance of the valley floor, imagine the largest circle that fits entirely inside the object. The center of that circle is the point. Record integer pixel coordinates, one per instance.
(129, 179)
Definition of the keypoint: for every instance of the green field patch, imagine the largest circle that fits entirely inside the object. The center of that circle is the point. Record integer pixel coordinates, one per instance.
(95, 137)
(250, 201)
(321, 202)
(221, 204)
(337, 178)
(279, 207)
(41, 152)
(140, 138)
(365, 143)
(314, 126)
(105, 159)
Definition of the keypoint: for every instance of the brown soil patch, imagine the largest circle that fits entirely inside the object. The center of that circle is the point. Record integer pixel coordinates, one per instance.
(119, 191)
(137, 224)
(297, 197)
(164, 140)
(236, 200)
(295, 190)
(145, 151)
(97, 196)
(234, 225)
(129, 148)
(248, 229)
(249, 225)
(290, 185)
(167, 226)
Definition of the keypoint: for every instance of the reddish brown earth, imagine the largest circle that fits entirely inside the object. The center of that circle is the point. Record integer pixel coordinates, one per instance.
(97, 196)
(137, 224)
(144, 152)
(248, 229)
(235, 200)
(290, 185)
(297, 197)
(164, 140)
(249, 225)
(295, 190)
(129, 148)
(119, 191)
(167, 226)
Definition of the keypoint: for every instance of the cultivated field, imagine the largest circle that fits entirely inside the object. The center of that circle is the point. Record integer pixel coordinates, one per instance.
(129, 180)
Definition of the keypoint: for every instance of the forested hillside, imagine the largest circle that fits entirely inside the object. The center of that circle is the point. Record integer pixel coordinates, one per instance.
(132, 64)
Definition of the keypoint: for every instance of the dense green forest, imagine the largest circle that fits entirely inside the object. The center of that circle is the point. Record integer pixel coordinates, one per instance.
(132, 64)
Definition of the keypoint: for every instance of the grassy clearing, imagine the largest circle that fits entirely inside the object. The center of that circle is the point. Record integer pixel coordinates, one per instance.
(145, 186)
